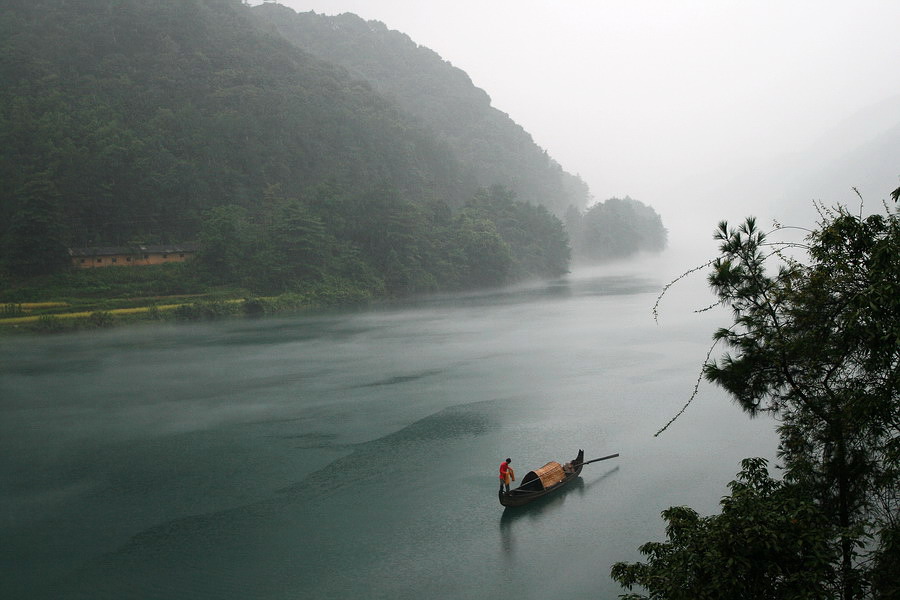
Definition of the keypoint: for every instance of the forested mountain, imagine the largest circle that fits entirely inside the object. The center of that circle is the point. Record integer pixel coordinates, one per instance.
(441, 96)
(144, 114)
(127, 121)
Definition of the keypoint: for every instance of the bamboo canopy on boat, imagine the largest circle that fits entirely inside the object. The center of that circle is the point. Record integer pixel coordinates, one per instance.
(548, 475)
(545, 480)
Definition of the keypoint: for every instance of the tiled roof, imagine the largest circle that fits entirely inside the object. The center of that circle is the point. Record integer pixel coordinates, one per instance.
(118, 250)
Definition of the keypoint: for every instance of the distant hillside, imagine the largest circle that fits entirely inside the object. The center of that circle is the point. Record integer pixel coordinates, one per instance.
(127, 121)
(142, 115)
(486, 140)
(379, 172)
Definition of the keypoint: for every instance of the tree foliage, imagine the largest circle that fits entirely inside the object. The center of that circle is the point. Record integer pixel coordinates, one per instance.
(145, 115)
(816, 343)
(168, 122)
(616, 228)
(35, 240)
(537, 240)
(769, 542)
(382, 241)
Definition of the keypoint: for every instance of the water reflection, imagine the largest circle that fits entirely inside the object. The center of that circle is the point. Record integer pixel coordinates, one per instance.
(514, 519)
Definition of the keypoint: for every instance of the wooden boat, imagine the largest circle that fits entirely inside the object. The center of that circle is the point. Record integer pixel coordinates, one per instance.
(546, 480)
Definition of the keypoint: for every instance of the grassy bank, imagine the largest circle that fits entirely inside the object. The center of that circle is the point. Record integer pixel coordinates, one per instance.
(99, 298)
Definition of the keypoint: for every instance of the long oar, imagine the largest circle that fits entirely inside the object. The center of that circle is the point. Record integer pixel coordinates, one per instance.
(587, 462)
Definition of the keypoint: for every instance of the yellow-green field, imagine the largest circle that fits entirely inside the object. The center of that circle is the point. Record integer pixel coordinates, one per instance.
(57, 310)
(88, 313)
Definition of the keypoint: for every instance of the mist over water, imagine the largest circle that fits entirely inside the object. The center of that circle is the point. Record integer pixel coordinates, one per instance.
(354, 454)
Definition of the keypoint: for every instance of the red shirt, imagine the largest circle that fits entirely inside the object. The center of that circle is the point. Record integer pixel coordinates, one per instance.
(504, 467)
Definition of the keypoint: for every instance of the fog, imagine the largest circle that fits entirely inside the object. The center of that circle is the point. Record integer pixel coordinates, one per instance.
(704, 110)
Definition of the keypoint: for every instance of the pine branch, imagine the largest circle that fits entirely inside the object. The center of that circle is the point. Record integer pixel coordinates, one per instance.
(673, 282)
(693, 394)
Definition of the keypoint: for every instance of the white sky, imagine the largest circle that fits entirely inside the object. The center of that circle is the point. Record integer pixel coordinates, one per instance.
(634, 95)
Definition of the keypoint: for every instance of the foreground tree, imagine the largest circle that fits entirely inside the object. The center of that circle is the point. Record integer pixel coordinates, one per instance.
(817, 344)
(768, 542)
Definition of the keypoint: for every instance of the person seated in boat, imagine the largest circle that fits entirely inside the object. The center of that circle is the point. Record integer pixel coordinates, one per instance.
(568, 469)
(507, 474)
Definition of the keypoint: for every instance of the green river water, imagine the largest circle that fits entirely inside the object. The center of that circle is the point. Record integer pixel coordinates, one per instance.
(354, 454)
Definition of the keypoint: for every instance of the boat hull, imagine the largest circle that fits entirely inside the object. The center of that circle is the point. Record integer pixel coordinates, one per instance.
(519, 496)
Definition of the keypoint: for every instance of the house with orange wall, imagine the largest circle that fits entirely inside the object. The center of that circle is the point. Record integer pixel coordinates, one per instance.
(130, 256)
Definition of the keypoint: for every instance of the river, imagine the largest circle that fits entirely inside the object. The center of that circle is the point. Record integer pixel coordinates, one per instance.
(354, 454)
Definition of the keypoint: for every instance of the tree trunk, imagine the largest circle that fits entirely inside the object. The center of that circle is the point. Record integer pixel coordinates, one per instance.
(848, 584)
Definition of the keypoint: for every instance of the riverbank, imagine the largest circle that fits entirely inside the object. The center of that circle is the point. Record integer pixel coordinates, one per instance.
(101, 298)
(59, 319)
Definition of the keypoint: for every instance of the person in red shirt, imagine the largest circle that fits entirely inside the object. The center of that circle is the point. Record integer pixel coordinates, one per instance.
(506, 474)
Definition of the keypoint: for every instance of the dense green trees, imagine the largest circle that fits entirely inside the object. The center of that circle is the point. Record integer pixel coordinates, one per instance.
(480, 254)
(616, 228)
(769, 542)
(145, 115)
(817, 344)
(381, 241)
(537, 241)
(35, 239)
(227, 241)
(284, 246)
(170, 122)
